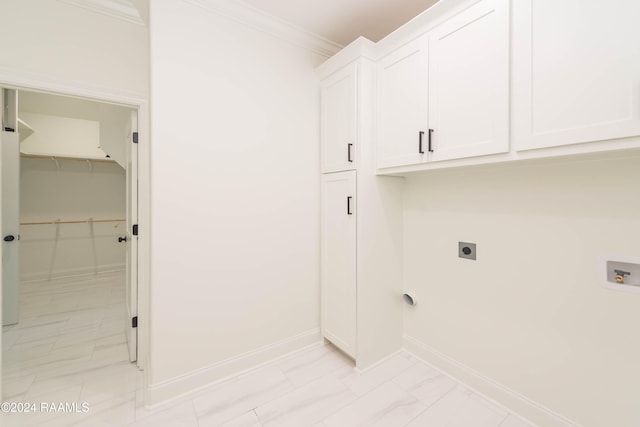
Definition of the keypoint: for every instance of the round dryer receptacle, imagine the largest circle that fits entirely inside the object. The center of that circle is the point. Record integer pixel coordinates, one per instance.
(409, 299)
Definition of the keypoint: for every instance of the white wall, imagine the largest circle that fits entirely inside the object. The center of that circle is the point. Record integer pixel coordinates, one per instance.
(235, 197)
(53, 41)
(75, 191)
(530, 312)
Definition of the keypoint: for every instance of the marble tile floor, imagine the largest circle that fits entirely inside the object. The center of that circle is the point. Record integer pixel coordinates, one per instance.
(70, 347)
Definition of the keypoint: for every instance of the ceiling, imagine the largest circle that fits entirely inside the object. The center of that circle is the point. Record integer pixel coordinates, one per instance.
(340, 21)
(343, 21)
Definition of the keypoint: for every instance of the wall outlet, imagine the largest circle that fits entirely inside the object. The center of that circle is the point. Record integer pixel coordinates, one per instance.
(621, 273)
(467, 250)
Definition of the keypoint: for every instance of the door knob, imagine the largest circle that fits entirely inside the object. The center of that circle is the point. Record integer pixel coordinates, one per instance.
(9, 238)
(122, 239)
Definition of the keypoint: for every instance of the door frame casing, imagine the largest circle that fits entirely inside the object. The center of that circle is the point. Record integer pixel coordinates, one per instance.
(26, 81)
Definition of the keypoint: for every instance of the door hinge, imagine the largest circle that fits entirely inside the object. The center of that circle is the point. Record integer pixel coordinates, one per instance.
(6, 129)
(134, 322)
(135, 229)
(135, 137)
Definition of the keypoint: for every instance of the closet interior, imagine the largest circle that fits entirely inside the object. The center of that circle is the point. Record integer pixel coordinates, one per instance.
(68, 194)
(72, 187)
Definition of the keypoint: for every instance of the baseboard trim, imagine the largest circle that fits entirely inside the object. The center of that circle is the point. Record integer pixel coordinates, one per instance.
(71, 272)
(490, 389)
(165, 392)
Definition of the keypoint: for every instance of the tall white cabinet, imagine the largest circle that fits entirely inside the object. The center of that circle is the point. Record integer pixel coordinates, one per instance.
(361, 216)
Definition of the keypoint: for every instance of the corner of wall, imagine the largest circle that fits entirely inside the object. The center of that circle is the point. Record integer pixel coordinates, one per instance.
(167, 391)
(487, 387)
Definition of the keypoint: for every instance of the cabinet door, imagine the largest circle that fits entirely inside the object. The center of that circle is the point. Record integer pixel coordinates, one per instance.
(338, 120)
(402, 105)
(338, 270)
(469, 82)
(576, 71)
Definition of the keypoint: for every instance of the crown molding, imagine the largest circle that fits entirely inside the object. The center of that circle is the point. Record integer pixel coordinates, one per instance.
(269, 24)
(359, 48)
(119, 9)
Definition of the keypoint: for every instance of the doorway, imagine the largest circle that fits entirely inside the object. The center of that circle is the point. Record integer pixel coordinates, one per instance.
(77, 231)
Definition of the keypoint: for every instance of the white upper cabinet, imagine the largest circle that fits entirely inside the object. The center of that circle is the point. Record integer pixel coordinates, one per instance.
(338, 95)
(576, 71)
(402, 105)
(469, 83)
(445, 95)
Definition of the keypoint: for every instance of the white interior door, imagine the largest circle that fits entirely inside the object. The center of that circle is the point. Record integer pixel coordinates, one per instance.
(131, 288)
(10, 155)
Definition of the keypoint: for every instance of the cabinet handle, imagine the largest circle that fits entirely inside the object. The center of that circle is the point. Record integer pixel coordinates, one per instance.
(420, 135)
(349, 206)
(430, 132)
(349, 159)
